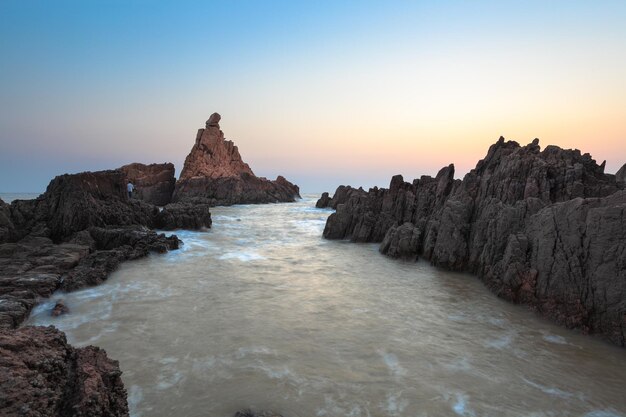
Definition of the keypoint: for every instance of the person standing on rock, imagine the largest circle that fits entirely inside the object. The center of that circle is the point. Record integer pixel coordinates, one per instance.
(130, 187)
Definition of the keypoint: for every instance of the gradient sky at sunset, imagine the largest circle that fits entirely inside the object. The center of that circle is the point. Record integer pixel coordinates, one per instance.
(325, 93)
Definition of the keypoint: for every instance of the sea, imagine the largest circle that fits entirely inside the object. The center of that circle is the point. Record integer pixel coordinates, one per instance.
(261, 312)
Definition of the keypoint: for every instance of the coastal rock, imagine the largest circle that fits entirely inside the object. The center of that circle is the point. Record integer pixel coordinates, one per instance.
(7, 230)
(341, 196)
(538, 227)
(190, 215)
(324, 201)
(620, 175)
(115, 245)
(214, 120)
(401, 242)
(42, 375)
(153, 183)
(59, 309)
(214, 171)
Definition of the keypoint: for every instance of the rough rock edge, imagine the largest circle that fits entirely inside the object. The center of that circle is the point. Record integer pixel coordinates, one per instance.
(542, 228)
(42, 375)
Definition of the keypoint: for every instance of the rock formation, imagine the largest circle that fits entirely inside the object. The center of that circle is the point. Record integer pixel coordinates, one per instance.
(70, 237)
(543, 228)
(153, 183)
(342, 194)
(214, 172)
(621, 174)
(42, 375)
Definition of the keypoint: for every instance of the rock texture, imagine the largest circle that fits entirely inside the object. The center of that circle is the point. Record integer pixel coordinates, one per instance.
(341, 196)
(214, 171)
(621, 174)
(70, 237)
(153, 183)
(35, 267)
(543, 228)
(41, 375)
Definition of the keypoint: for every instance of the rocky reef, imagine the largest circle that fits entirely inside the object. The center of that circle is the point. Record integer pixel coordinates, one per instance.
(541, 228)
(42, 375)
(153, 183)
(70, 237)
(214, 172)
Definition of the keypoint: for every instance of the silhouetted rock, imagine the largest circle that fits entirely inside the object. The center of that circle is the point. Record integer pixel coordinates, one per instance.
(341, 196)
(324, 201)
(538, 227)
(35, 267)
(153, 183)
(621, 174)
(115, 245)
(42, 375)
(215, 172)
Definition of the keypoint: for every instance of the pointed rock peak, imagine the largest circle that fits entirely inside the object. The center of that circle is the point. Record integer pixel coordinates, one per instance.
(535, 142)
(214, 121)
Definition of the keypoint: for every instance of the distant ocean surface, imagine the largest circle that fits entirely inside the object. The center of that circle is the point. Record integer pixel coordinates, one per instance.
(8, 197)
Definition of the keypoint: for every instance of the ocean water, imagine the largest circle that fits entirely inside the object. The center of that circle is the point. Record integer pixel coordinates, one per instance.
(9, 197)
(262, 312)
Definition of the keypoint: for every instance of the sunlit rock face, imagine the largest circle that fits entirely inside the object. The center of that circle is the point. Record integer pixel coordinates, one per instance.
(215, 172)
(539, 227)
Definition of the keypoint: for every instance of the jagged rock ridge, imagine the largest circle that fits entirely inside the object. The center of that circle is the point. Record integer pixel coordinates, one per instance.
(215, 172)
(543, 228)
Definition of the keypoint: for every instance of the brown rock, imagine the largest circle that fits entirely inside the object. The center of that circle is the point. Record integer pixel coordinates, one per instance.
(215, 172)
(42, 375)
(153, 183)
(214, 120)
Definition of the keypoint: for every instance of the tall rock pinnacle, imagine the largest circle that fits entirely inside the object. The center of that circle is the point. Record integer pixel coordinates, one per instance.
(215, 171)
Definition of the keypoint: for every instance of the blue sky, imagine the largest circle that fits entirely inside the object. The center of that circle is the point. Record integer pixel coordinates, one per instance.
(323, 92)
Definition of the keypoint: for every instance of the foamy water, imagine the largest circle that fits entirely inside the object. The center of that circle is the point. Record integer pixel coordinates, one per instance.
(262, 312)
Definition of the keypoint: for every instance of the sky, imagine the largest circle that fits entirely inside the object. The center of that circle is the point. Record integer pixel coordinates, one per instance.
(324, 93)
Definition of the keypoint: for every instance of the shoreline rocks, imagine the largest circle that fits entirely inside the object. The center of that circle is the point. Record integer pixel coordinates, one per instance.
(215, 172)
(72, 236)
(542, 228)
(42, 375)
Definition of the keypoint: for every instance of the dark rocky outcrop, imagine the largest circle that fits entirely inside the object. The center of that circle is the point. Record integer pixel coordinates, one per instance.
(215, 172)
(42, 375)
(341, 196)
(194, 215)
(543, 228)
(153, 183)
(35, 267)
(620, 175)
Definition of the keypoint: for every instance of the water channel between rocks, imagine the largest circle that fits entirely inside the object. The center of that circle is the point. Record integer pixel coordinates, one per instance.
(262, 312)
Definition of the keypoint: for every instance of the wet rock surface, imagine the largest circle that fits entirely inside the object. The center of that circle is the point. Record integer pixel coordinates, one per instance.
(72, 236)
(215, 172)
(543, 228)
(153, 183)
(42, 375)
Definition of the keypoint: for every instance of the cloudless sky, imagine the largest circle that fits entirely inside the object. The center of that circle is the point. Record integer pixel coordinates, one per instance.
(324, 92)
